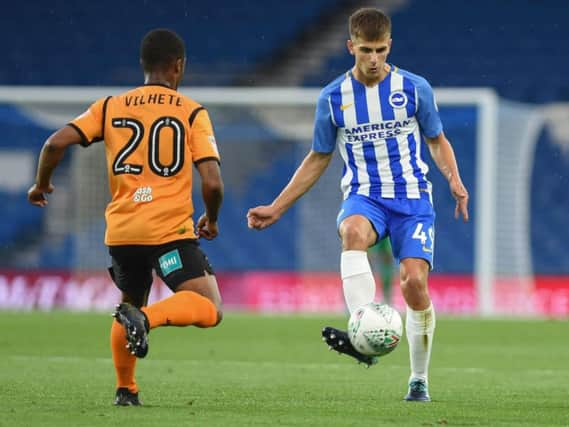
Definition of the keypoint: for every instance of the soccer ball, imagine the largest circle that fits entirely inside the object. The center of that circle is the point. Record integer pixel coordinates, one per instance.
(375, 329)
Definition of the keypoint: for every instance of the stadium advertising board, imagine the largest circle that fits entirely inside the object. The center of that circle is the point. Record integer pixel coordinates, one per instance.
(280, 292)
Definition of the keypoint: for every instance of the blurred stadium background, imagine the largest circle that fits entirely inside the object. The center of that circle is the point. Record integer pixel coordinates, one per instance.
(499, 69)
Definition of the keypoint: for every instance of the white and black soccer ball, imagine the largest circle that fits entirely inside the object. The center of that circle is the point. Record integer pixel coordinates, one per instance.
(375, 329)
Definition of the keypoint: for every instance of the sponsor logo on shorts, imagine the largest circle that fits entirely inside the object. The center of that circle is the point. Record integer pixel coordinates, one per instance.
(170, 262)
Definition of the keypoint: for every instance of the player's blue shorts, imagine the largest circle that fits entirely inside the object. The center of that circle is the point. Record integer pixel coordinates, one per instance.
(409, 223)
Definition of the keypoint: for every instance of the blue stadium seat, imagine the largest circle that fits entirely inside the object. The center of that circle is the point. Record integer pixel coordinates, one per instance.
(223, 40)
(21, 222)
(239, 248)
(549, 207)
(501, 44)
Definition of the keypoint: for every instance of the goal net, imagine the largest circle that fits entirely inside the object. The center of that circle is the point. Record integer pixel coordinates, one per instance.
(484, 266)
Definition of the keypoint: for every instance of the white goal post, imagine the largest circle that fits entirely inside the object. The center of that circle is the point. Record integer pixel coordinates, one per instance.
(484, 99)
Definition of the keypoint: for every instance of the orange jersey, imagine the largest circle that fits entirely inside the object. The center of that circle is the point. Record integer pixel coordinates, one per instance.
(153, 135)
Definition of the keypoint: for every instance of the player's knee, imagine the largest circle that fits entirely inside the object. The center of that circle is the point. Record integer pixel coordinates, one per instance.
(413, 283)
(354, 237)
(219, 317)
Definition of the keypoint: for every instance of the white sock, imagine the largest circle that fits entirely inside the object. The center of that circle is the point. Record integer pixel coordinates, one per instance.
(357, 279)
(420, 328)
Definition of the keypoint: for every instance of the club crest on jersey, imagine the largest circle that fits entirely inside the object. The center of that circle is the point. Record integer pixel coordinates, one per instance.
(398, 99)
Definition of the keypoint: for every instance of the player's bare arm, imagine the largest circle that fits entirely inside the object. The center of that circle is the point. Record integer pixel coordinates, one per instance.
(309, 171)
(443, 155)
(50, 156)
(212, 193)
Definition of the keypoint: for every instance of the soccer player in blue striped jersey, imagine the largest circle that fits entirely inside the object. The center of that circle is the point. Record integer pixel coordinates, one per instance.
(378, 116)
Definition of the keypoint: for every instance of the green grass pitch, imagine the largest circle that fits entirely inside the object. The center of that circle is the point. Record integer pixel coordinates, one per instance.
(55, 370)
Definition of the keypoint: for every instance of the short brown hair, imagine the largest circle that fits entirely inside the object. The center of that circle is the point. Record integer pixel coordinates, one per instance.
(369, 24)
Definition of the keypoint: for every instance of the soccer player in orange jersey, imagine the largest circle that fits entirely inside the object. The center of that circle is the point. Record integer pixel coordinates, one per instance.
(153, 136)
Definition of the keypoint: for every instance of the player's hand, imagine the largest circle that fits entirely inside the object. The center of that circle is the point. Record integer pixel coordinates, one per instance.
(262, 216)
(206, 228)
(37, 195)
(460, 194)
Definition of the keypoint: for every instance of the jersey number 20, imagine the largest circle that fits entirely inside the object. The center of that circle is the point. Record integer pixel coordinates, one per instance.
(121, 166)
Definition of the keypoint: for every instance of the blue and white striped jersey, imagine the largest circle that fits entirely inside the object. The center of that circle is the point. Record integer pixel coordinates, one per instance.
(378, 132)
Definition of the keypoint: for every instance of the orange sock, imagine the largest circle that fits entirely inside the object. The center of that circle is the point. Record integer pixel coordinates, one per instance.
(182, 309)
(124, 361)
